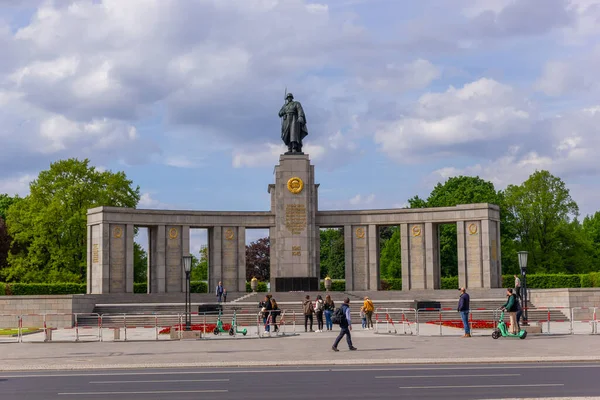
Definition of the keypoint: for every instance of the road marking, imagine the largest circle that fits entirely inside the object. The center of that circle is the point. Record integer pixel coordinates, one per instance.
(442, 376)
(164, 381)
(144, 392)
(260, 371)
(480, 386)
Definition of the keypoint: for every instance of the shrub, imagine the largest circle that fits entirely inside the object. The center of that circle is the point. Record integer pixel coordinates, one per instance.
(262, 287)
(391, 284)
(198, 287)
(140, 287)
(450, 282)
(32, 289)
(2, 289)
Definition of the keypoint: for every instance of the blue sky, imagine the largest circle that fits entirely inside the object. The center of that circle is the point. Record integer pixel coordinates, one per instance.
(399, 95)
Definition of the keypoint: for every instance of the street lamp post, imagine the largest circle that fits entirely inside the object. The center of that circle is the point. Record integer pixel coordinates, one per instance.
(523, 266)
(187, 267)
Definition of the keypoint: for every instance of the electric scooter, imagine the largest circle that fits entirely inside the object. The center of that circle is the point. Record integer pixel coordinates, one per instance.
(502, 330)
(234, 327)
(219, 325)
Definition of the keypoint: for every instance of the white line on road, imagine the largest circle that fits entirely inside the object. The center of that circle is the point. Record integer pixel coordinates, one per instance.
(480, 386)
(145, 392)
(338, 369)
(442, 376)
(164, 381)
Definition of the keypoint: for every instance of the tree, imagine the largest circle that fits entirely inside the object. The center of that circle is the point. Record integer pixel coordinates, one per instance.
(200, 266)
(538, 208)
(591, 229)
(258, 261)
(5, 202)
(48, 226)
(332, 257)
(390, 261)
(140, 264)
(4, 244)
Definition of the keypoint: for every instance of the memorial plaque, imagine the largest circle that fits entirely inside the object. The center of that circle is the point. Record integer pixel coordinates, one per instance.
(295, 218)
(95, 256)
(296, 250)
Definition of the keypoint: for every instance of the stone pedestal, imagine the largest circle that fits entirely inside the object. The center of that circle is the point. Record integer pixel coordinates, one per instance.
(294, 202)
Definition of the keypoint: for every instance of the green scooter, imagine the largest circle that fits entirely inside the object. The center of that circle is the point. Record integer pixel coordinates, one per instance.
(219, 325)
(502, 330)
(234, 327)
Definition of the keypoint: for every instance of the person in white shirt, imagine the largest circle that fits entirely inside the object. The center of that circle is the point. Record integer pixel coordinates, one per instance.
(518, 286)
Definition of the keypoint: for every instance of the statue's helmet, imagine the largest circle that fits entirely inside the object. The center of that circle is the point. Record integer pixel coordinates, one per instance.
(289, 96)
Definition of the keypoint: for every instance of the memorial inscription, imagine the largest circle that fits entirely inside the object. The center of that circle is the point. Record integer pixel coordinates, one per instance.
(296, 250)
(95, 257)
(295, 218)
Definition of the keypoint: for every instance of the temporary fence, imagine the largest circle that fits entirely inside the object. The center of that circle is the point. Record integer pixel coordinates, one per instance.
(81, 327)
(584, 320)
(388, 320)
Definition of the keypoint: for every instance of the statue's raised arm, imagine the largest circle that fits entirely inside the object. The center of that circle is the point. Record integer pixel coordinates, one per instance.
(293, 125)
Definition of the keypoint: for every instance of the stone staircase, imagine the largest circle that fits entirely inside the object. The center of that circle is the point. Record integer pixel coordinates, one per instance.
(246, 306)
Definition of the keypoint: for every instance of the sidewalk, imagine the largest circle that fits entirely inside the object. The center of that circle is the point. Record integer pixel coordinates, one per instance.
(303, 349)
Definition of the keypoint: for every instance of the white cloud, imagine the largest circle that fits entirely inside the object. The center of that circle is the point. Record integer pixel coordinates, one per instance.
(148, 202)
(181, 161)
(396, 78)
(443, 123)
(18, 185)
(360, 200)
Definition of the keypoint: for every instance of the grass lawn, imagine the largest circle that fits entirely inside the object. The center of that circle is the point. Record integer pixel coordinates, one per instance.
(10, 332)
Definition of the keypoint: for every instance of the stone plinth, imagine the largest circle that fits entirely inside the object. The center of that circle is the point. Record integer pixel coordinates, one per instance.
(295, 205)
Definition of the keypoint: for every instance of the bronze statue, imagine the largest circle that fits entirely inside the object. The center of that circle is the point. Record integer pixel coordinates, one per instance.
(293, 125)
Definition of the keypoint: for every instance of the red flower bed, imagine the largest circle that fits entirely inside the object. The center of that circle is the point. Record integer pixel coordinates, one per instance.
(475, 324)
(195, 327)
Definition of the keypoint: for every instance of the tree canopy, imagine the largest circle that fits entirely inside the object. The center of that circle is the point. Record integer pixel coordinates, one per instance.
(48, 227)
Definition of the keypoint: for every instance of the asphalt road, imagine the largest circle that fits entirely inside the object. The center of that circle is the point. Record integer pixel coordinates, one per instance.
(443, 381)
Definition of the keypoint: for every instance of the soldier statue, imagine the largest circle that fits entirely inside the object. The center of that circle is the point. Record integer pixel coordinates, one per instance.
(293, 125)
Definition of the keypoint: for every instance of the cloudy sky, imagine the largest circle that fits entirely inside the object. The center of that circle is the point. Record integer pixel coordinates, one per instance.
(183, 95)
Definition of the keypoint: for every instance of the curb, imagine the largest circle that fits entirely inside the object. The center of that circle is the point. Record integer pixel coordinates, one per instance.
(267, 363)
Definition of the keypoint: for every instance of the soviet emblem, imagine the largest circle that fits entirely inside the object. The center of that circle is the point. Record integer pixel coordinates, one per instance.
(416, 230)
(360, 233)
(472, 229)
(295, 185)
(229, 234)
(173, 233)
(118, 232)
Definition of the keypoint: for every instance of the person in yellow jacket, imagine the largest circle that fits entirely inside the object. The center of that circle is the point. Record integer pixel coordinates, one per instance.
(369, 308)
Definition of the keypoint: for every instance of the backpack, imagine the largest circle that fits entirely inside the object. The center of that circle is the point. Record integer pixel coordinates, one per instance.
(338, 316)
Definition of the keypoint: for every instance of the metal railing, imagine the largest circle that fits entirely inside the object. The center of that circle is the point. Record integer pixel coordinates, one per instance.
(78, 327)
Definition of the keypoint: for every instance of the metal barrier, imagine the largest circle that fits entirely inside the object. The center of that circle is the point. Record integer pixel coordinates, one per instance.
(88, 337)
(584, 316)
(564, 320)
(29, 326)
(403, 319)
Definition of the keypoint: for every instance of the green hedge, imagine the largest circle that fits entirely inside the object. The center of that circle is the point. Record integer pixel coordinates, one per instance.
(337, 285)
(262, 287)
(537, 281)
(31, 289)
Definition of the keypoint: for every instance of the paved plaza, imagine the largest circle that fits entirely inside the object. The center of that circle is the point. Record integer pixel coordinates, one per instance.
(300, 349)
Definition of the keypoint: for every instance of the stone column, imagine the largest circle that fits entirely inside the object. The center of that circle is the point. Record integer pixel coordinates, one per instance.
(99, 259)
(417, 256)
(241, 260)
(490, 239)
(89, 267)
(118, 258)
(229, 257)
(295, 209)
(373, 243)
(461, 254)
(405, 253)
(129, 258)
(215, 260)
(360, 257)
(432, 251)
(470, 255)
(348, 257)
(185, 250)
(157, 253)
(273, 257)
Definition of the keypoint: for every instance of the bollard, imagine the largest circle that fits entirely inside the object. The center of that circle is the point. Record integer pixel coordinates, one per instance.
(48, 332)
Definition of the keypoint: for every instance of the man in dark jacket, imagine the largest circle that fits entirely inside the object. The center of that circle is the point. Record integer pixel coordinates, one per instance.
(345, 327)
(463, 309)
(512, 306)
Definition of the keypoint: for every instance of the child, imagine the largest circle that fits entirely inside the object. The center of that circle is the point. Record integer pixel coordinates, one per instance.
(363, 316)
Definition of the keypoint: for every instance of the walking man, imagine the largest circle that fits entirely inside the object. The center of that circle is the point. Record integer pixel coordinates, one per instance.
(518, 286)
(220, 291)
(345, 327)
(463, 309)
